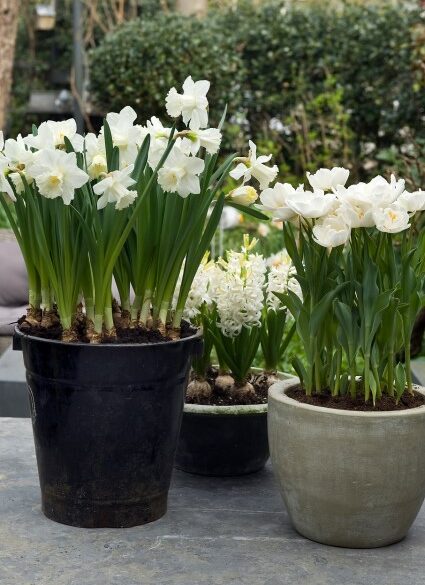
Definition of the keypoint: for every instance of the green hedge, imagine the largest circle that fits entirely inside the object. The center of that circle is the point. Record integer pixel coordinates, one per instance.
(333, 80)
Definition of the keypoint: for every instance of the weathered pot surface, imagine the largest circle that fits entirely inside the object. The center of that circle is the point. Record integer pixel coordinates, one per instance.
(350, 479)
(223, 440)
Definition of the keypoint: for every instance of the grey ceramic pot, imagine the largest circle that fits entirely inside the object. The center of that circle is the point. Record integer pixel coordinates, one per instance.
(350, 479)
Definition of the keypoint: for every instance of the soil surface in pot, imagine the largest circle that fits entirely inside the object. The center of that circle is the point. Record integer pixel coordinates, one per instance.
(386, 403)
(229, 395)
(124, 335)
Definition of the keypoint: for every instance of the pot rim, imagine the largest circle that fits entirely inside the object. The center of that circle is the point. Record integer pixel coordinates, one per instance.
(234, 409)
(278, 391)
(22, 335)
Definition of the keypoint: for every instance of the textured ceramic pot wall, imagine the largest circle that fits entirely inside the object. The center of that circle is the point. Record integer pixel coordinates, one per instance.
(351, 479)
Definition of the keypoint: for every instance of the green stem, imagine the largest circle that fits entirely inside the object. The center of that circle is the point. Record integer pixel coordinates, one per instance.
(135, 308)
(390, 373)
(366, 377)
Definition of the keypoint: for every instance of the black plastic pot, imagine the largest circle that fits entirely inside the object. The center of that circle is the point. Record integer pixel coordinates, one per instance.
(106, 421)
(223, 440)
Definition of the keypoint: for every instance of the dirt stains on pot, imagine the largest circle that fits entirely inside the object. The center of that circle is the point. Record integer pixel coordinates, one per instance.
(386, 403)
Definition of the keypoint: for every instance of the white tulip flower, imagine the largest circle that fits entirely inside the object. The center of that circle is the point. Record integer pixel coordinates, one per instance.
(57, 174)
(412, 202)
(328, 179)
(332, 231)
(1, 140)
(312, 204)
(52, 135)
(209, 138)
(125, 134)
(114, 189)
(384, 193)
(254, 166)
(275, 198)
(357, 205)
(192, 104)
(180, 173)
(244, 195)
(392, 219)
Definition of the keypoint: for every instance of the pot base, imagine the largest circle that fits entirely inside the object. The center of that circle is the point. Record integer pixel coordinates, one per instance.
(104, 514)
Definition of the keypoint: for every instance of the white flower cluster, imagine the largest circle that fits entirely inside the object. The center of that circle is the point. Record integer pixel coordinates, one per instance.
(337, 209)
(42, 158)
(239, 291)
(280, 277)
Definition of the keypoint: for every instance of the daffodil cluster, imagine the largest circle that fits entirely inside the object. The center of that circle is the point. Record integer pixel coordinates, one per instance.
(134, 202)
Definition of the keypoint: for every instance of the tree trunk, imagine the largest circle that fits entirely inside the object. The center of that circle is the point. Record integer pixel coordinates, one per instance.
(9, 11)
(190, 7)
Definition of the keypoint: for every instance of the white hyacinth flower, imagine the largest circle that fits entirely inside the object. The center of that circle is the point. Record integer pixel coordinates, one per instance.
(125, 134)
(254, 166)
(392, 219)
(244, 195)
(192, 104)
(180, 173)
(114, 189)
(280, 278)
(237, 291)
(57, 174)
(328, 179)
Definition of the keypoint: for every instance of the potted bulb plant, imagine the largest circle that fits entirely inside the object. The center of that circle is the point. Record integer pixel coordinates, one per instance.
(224, 428)
(347, 438)
(107, 377)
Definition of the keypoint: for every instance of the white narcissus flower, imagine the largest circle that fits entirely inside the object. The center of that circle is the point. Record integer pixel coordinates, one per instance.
(57, 174)
(244, 195)
(332, 231)
(125, 134)
(159, 140)
(180, 173)
(192, 104)
(4, 183)
(210, 139)
(412, 202)
(95, 155)
(20, 157)
(114, 189)
(328, 179)
(52, 134)
(254, 166)
(392, 219)
(275, 198)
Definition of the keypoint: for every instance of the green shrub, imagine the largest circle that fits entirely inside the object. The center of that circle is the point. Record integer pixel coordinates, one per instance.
(138, 63)
(352, 73)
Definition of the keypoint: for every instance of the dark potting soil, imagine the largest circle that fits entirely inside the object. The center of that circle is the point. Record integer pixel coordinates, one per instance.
(221, 398)
(137, 335)
(386, 403)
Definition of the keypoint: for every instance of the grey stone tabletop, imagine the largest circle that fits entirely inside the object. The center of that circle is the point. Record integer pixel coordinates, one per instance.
(231, 531)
